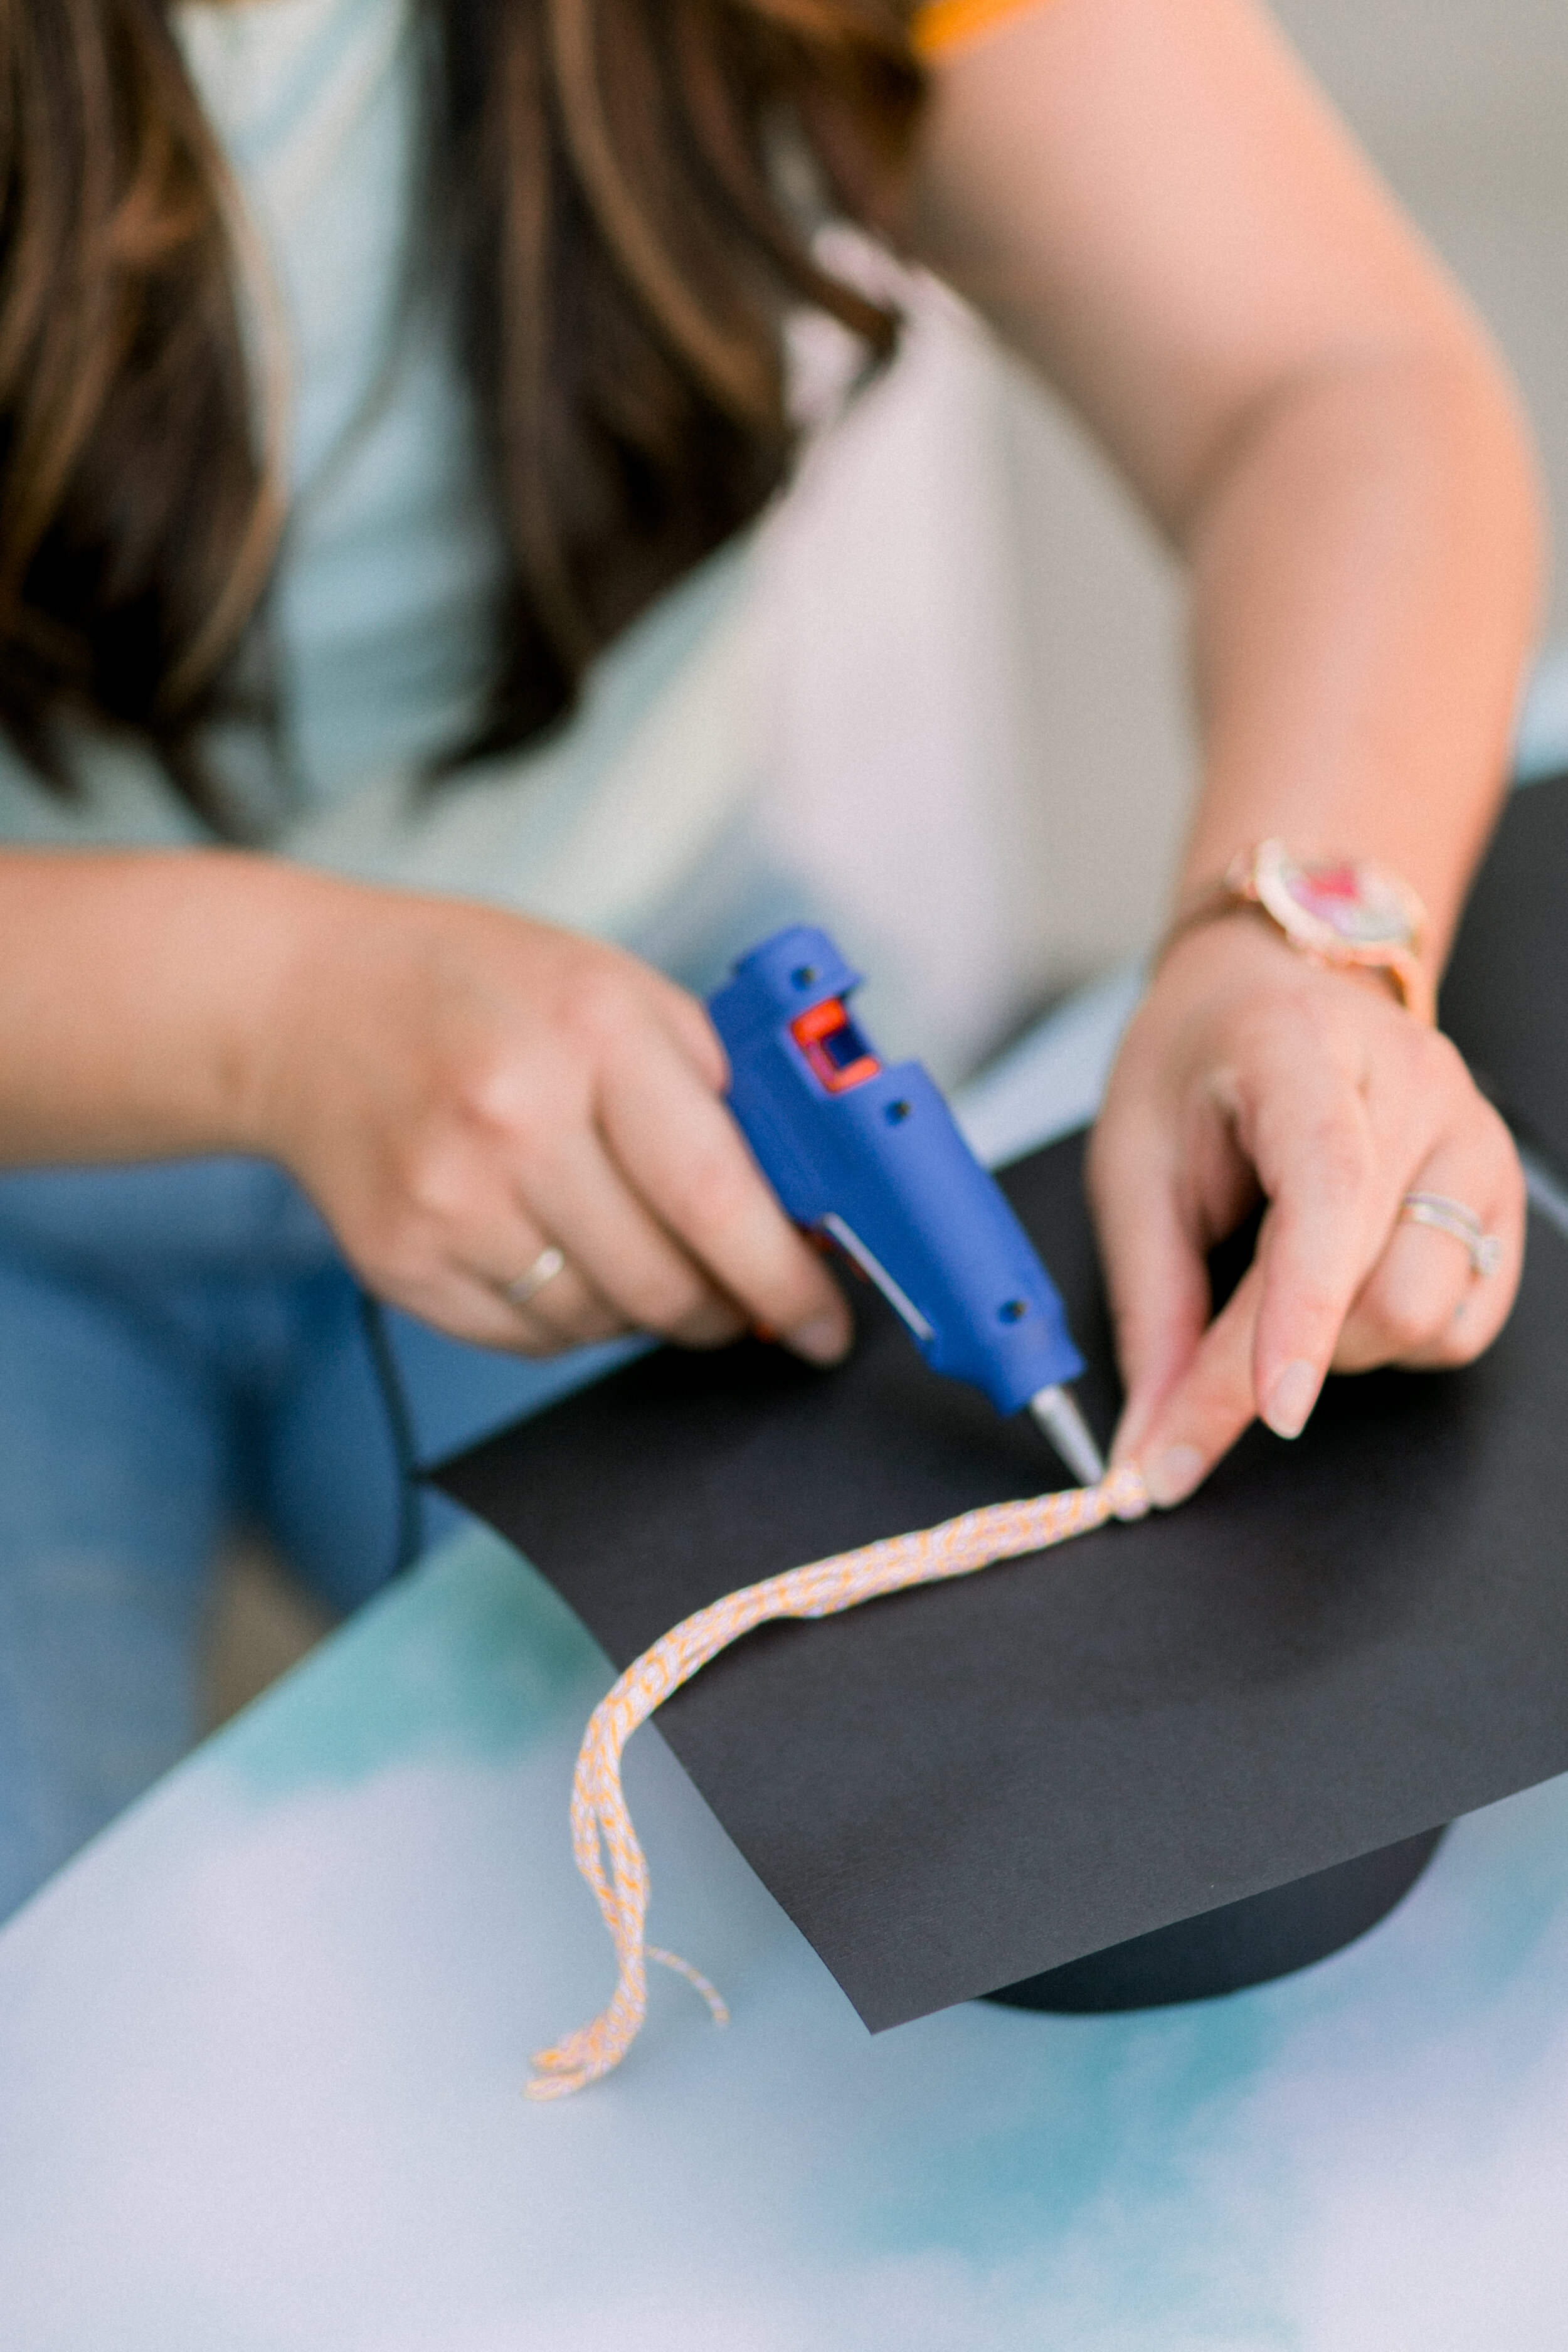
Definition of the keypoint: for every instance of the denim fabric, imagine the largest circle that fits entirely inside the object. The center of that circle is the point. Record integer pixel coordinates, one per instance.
(183, 1353)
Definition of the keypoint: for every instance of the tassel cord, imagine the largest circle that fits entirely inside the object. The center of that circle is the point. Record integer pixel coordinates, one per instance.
(605, 1843)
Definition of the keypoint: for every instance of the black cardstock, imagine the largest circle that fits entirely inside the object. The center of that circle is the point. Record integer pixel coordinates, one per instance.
(1335, 1644)
(1504, 998)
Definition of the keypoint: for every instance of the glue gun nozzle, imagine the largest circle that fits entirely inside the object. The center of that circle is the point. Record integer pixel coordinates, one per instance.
(1057, 1411)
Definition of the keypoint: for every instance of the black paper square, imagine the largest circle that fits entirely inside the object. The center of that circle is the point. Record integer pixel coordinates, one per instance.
(1504, 998)
(1338, 1643)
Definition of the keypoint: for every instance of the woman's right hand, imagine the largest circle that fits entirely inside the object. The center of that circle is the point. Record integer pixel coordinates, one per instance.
(458, 1089)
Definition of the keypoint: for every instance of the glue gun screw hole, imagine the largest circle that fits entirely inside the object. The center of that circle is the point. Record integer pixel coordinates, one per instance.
(896, 1112)
(804, 975)
(1014, 1311)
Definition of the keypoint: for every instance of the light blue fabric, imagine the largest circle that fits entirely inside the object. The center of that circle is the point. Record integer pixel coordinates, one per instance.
(382, 622)
(181, 1353)
(180, 1350)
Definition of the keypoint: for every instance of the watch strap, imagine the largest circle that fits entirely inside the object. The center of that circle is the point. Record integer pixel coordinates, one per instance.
(1236, 891)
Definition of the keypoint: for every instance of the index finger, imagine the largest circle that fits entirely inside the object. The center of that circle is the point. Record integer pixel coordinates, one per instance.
(682, 1153)
(1267, 1354)
(1155, 1275)
(1210, 1405)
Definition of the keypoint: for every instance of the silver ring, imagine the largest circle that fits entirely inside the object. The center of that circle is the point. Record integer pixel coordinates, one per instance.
(545, 1268)
(1448, 1216)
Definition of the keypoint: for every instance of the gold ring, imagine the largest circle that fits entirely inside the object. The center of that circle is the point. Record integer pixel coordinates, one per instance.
(545, 1268)
(1436, 1209)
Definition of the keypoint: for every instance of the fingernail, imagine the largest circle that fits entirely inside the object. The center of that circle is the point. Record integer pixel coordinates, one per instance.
(1292, 1399)
(1127, 1433)
(823, 1341)
(1171, 1475)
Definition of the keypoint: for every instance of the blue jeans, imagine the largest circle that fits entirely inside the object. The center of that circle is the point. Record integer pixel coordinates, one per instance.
(183, 1352)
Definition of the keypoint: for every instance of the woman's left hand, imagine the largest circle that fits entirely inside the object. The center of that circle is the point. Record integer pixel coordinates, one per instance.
(1150, 202)
(1250, 1071)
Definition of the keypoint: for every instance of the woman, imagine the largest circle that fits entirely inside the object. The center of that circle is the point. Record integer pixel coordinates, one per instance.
(514, 1132)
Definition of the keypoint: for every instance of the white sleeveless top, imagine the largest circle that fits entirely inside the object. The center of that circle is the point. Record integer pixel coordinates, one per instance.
(815, 726)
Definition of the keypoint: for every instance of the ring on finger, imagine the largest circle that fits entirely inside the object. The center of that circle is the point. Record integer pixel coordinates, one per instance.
(1448, 1216)
(528, 1285)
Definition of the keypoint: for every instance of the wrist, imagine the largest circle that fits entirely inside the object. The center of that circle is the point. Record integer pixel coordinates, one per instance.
(1342, 913)
(1239, 957)
(271, 1026)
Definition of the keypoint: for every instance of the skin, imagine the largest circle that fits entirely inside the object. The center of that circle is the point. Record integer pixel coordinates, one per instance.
(1147, 199)
(1152, 203)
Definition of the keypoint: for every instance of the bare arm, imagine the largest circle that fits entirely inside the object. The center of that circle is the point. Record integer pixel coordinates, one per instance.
(456, 1086)
(137, 986)
(1150, 202)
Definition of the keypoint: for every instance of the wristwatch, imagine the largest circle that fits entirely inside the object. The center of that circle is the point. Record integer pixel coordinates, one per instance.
(1345, 911)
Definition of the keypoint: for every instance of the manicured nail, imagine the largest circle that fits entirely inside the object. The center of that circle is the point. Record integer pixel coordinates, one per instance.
(1125, 1436)
(1171, 1475)
(823, 1341)
(1292, 1399)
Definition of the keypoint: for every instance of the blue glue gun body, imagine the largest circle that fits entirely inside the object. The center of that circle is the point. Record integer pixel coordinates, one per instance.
(872, 1157)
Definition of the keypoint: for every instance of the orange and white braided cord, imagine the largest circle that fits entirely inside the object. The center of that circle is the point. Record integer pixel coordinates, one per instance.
(602, 1827)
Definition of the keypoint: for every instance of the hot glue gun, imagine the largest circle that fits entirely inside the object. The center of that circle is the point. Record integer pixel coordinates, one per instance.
(871, 1159)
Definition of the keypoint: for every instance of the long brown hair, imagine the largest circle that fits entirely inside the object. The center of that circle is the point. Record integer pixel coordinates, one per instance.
(603, 182)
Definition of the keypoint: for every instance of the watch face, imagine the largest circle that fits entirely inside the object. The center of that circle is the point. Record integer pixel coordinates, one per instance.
(1348, 902)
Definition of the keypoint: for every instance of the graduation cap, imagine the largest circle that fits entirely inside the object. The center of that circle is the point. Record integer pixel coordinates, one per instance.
(1504, 999)
(1178, 1757)
(1204, 1748)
